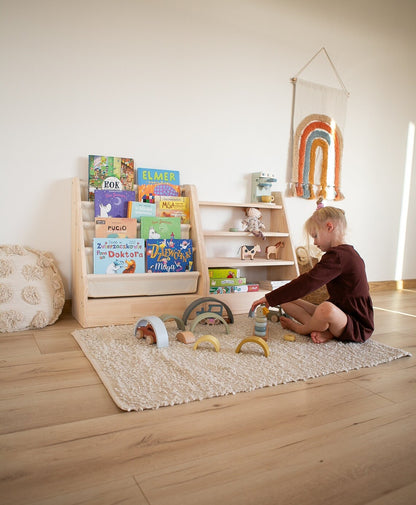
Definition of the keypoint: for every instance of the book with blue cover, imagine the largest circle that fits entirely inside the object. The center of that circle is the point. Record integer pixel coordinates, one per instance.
(169, 255)
(112, 203)
(119, 255)
(140, 209)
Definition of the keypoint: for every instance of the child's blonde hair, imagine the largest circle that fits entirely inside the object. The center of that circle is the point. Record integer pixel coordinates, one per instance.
(324, 214)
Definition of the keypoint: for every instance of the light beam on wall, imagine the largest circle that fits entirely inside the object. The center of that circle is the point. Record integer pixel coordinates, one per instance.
(405, 205)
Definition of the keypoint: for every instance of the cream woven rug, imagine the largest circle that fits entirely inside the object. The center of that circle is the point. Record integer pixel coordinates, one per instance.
(139, 376)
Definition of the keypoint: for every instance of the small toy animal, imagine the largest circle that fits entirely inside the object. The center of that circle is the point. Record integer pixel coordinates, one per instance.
(249, 251)
(274, 249)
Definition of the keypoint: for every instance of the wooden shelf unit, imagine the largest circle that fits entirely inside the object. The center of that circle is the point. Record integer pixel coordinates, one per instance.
(101, 300)
(274, 217)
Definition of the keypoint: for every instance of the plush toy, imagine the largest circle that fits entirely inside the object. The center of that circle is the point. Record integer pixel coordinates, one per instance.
(252, 222)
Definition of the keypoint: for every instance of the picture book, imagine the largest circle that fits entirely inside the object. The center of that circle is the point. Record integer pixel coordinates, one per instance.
(112, 203)
(220, 290)
(118, 255)
(108, 172)
(169, 255)
(173, 206)
(232, 281)
(160, 227)
(239, 289)
(115, 227)
(140, 209)
(223, 273)
(153, 181)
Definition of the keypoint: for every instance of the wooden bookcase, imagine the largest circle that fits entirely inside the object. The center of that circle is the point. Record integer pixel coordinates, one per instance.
(101, 300)
(222, 246)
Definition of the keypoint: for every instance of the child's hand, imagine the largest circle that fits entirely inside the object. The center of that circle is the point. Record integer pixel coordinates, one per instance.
(261, 301)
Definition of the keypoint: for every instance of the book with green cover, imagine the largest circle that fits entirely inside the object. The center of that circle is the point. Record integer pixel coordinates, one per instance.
(160, 227)
(230, 281)
(222, 273)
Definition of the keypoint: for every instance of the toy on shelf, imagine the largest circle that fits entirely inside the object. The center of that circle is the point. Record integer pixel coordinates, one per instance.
(252, 222)
(208, 338)
(153, 330)
(274, 249)
(261, 185)
(249, 251)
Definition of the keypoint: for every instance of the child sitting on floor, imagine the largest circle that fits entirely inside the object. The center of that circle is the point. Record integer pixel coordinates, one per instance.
(348, 313)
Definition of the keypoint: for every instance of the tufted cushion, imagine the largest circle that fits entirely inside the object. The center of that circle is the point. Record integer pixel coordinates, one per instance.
(31, 290)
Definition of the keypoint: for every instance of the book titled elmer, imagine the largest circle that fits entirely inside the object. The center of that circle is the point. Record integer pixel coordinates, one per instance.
(153, 181)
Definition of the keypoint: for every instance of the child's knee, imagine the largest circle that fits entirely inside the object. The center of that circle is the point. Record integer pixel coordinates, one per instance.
(325, 311)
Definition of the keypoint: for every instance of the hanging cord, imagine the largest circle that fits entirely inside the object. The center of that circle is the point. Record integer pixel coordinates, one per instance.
(294, 79)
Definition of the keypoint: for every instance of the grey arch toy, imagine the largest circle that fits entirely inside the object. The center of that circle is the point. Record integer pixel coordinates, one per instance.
(168, 317)
(210, 315)
(162, 338)
(199, 301)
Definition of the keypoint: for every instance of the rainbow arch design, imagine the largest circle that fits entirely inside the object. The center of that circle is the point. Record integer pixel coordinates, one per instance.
(317, 134)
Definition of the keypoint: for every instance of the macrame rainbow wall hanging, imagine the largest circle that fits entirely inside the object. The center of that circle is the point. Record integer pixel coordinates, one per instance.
(318, 119)
(318, 145)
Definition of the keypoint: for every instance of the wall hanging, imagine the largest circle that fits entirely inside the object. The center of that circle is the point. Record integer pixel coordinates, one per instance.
(318, 122)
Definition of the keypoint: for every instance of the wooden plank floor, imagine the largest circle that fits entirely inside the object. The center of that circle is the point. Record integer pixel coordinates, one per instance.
(341, 439)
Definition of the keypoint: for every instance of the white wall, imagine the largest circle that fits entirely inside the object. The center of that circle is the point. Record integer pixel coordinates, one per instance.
(204, 88)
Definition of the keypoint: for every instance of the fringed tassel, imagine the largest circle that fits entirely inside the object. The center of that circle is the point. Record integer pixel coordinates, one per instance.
(338, 194)
(311, 192)
(322, 192)
(292, 189)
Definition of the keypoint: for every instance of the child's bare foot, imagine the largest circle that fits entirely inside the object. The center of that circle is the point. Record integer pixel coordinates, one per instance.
(320, 337)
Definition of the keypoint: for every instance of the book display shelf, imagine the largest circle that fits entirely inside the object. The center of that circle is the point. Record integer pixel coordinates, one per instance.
(103, 299)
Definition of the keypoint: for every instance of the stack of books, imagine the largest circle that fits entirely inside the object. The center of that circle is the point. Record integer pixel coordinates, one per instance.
(228, 280)
(270, 285)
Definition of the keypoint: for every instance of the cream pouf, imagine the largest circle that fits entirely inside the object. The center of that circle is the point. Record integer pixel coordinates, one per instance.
(31, 290)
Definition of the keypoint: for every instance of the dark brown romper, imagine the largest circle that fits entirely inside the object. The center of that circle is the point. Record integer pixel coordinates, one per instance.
(342, 269)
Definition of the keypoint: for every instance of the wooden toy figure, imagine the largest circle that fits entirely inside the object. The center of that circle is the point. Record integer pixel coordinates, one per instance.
(260, 325)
